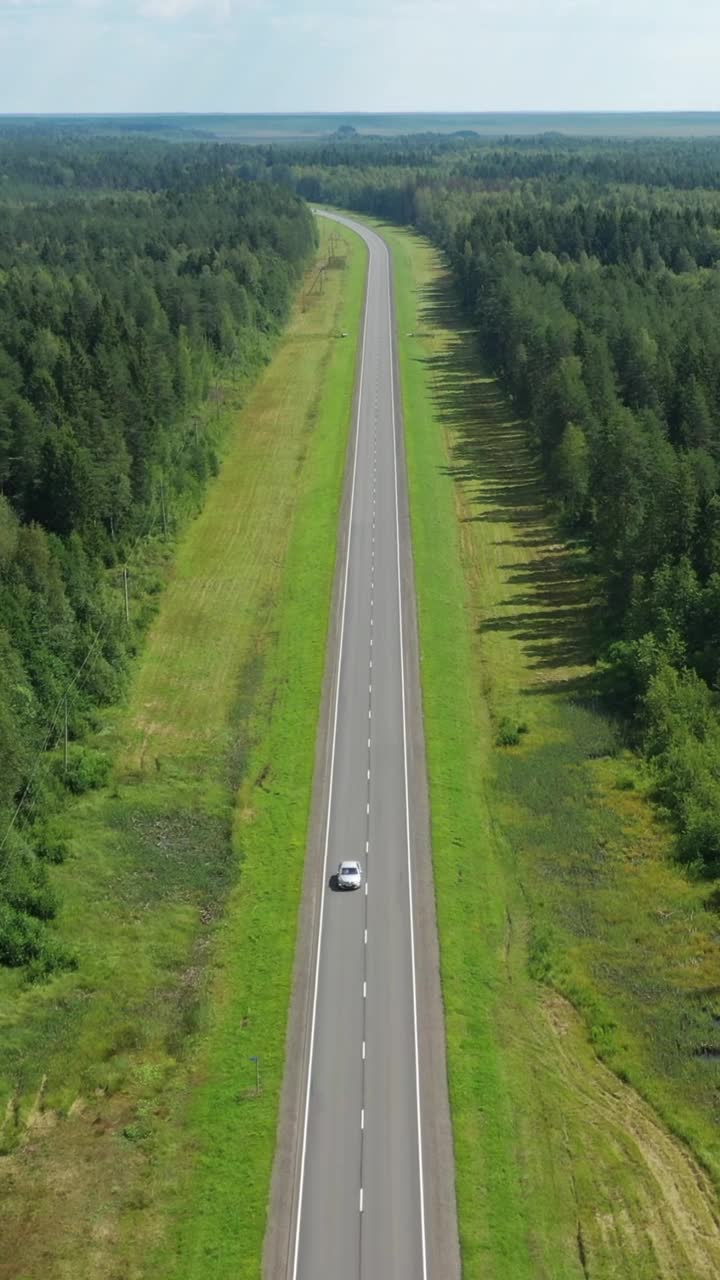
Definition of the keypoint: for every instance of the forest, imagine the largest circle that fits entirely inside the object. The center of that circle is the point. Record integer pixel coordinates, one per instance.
(122, 299)
(133, 269)
(591, 273)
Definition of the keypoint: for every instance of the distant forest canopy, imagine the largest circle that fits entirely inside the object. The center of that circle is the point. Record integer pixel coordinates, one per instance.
(592, 275)
(257, 127)
(36, 156)
(117, 310)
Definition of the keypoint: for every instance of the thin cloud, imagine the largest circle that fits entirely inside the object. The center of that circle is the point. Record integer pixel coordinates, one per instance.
(131, 9)
(184, 8)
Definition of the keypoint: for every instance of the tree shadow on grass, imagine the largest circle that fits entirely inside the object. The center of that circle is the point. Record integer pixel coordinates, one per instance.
(546, 601)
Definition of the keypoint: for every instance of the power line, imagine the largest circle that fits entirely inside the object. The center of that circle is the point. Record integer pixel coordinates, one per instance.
(63, 699)
(62, 702)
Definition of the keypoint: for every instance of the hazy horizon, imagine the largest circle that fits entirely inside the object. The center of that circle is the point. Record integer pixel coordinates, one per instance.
(267, 127)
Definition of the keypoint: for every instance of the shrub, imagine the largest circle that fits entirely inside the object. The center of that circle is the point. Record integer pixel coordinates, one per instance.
(542, 953)
(24, 883)
(24, 941)
(509, 732)
(87, 769)
(712, 902)
(699, 843)
(50, 845)
(625, 783)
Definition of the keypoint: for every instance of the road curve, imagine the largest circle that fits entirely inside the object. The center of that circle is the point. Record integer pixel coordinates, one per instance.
(371, 1136)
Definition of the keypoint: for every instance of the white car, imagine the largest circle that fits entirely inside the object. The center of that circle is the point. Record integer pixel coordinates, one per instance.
(349, 875)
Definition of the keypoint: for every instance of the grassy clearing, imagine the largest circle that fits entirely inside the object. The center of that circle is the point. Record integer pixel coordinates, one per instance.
(142, 1150)
(548, 865)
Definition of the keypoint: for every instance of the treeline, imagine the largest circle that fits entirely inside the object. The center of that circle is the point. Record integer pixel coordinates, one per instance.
(116, 314)
(68, 156)
(598, 307)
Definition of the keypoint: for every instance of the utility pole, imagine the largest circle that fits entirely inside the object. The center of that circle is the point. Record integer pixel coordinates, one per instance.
(127, 597)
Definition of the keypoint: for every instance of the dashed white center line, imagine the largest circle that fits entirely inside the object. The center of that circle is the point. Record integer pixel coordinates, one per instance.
(361, 1199)
(364, 990)
(367, 846)
(368, 775)
(366, 888)
(367, 807)
(363, 1050)
(366, 937)
(362, 1118)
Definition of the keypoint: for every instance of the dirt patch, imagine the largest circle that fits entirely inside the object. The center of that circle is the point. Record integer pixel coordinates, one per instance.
(663, 1209)
(57, 1222)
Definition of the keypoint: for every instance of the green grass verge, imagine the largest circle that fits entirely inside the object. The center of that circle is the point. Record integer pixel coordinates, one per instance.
(141, 1148)
(223, 1200)
(551, 874)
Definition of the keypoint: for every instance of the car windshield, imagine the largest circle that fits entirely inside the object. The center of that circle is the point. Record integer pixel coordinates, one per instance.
(349, 871)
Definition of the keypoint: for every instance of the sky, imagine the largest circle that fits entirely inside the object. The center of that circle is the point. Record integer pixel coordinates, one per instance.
(358, 55)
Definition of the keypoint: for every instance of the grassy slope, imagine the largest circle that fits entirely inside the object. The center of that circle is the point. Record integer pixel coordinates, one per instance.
(546, 859)
(132, 1074)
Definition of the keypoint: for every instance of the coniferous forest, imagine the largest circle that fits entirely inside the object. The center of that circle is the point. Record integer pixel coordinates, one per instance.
(591, 273)
(127, 284)
(133, 268)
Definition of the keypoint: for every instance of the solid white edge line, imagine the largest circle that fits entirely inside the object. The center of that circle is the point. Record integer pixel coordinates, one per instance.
(330, 784)
(407, 793)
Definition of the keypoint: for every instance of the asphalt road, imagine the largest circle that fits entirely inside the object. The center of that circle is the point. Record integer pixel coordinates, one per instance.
(359, 1209)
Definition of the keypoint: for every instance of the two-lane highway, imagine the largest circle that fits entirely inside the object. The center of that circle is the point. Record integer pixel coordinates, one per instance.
(360, 1210)
(365, 1108)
